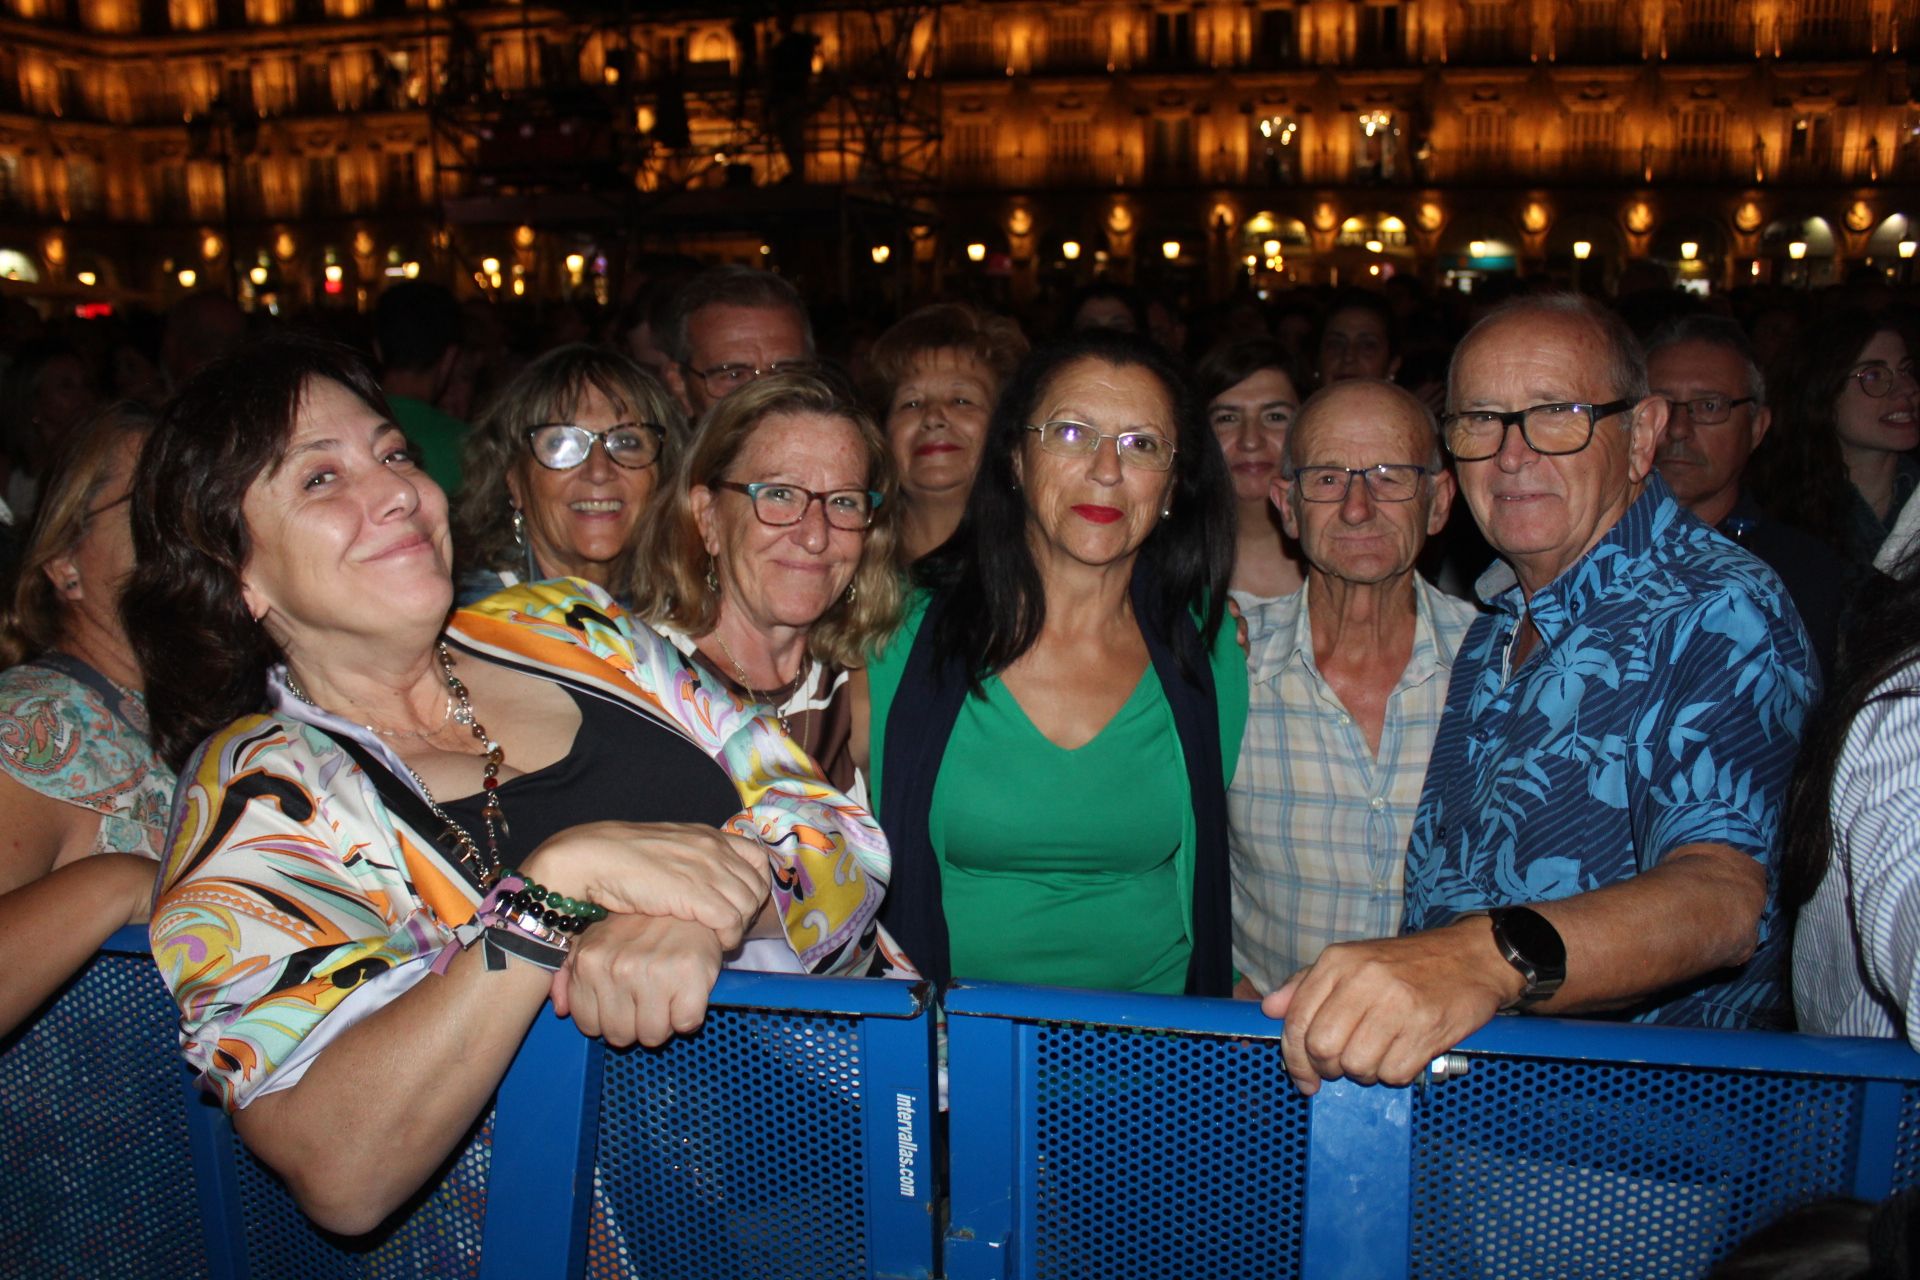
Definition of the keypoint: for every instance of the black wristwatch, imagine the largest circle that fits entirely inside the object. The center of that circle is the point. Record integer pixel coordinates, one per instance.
(1530, 943)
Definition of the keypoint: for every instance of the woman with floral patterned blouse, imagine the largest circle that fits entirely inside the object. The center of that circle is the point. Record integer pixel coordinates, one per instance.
(83, 800)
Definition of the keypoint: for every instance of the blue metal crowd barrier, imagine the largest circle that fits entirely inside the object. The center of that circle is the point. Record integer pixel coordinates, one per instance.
(791, 1137)
(1152, 1136)
(1090, 1135)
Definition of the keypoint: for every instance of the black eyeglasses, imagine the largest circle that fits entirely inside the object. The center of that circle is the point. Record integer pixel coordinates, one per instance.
(1550, 429)
(1385, 481)
(1708, 411)
(780, 505)
(723, 378)
(561, 446)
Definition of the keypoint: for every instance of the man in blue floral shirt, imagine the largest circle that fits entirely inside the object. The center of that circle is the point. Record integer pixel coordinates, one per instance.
(1598, 828)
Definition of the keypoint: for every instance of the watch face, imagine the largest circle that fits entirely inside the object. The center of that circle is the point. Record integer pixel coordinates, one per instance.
(1537, 941)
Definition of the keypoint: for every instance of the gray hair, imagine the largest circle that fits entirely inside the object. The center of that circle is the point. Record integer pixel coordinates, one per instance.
(1626, 368)
(730, 286)
(1315, 403)
(1718, 331)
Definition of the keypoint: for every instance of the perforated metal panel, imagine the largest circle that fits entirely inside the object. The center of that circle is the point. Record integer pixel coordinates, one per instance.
(734, 1153)
(1526, 1168)
(1164, 1155)
(98, 1179)
(1906, 1143)
(440, 1240)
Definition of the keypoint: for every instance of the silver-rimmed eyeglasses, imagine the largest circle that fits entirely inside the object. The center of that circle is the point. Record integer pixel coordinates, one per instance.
(779, 505)
(1385, 481)
(561, 446)
(1147, 450)
(1561, 427)
(722, 378)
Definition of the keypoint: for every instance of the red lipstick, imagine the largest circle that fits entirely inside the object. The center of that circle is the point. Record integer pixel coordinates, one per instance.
(1097, 514)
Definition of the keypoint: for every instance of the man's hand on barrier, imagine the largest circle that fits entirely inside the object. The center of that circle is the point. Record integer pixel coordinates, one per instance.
(638, 978)
(1380, 1011)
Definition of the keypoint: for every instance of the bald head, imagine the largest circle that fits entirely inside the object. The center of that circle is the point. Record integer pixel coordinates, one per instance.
(1363, 516)
(1368, 401)
(1613, 352)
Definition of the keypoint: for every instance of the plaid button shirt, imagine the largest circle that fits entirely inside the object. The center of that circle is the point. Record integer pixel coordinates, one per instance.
(1319, 824)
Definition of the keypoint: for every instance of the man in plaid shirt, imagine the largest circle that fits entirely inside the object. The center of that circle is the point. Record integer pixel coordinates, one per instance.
(1349, 677)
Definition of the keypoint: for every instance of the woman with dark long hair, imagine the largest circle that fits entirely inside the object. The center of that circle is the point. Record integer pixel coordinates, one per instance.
(1851, 860)
(1252, 390)
(1840, 459)
(400, 831)
(1051, 733)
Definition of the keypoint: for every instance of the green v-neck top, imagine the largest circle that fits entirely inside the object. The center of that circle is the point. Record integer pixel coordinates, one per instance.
(1064, 867)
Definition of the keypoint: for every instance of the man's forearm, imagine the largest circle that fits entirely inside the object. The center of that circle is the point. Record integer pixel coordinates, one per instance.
(1696, 912)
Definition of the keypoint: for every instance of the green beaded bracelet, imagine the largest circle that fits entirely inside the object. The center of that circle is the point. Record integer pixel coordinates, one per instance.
(560, 904)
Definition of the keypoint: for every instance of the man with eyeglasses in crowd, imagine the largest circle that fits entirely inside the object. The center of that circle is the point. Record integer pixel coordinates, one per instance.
(1601, 812)
(729, 326)
(1717, 414)
(1348, 678)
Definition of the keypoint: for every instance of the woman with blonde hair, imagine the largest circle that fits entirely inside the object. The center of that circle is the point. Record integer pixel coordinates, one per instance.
(769, 558)
(83, 797)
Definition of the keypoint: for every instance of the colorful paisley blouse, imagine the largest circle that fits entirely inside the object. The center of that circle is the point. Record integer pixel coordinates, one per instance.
(290, 890)
(60, 738)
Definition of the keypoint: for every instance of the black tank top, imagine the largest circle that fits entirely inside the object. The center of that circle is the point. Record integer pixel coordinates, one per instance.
(623, 767)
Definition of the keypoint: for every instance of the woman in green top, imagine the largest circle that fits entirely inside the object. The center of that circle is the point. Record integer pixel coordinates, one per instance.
(1050, 735)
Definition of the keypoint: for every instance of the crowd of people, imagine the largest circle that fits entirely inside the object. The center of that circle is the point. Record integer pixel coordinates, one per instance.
(1396, 659)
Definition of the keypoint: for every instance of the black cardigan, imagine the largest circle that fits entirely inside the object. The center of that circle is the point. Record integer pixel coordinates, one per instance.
(919, 723)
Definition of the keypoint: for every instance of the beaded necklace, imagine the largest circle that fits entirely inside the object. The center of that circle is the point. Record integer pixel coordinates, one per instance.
(487, 867)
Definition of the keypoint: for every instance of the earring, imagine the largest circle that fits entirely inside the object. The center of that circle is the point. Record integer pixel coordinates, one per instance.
(72, 582)
(519, 529)
(853, 592)
(1166, 511)
(713, 576)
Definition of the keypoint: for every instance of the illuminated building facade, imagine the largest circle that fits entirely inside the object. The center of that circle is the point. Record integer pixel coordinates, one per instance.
(297, 149)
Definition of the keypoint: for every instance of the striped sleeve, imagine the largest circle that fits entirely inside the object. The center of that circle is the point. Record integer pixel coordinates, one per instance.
(1857, 960)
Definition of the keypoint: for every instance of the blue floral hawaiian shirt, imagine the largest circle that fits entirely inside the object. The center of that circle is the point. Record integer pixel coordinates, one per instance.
(1662, 707)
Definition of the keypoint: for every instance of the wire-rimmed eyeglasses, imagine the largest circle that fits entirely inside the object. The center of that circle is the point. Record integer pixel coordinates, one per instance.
(1385, 481)
(1148, 450)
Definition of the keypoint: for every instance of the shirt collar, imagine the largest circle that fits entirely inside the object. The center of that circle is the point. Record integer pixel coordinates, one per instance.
(288, 705)
(1627, 544)
(1292, 637)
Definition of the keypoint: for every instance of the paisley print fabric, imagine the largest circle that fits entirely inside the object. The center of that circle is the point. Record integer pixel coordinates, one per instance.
(1663, 706)
(58, 737)
(289, 886)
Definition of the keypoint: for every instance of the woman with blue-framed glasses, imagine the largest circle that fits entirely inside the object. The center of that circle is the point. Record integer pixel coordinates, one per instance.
(768, 558)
